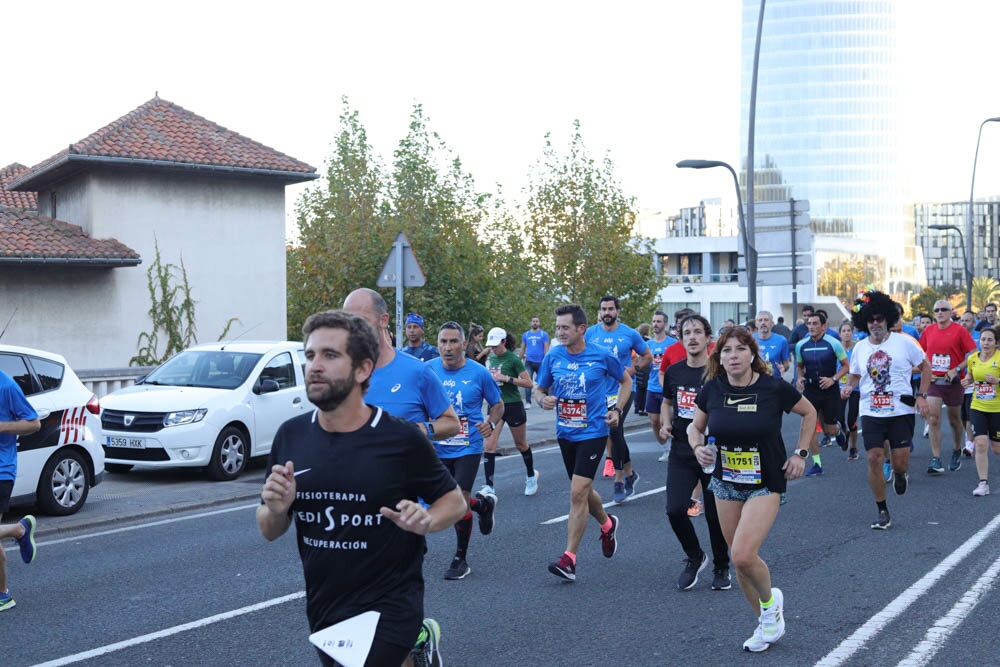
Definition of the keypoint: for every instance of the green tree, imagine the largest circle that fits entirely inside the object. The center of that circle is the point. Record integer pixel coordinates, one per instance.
(580, 234)
(343, 230)
(924, 302)
(845, 276)
(984, 290)
(436, 203)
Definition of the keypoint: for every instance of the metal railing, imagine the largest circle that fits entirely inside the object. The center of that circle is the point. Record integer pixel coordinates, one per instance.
(103, 381)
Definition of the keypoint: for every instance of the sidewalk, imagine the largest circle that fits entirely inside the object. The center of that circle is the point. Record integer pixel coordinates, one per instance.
(150, 493)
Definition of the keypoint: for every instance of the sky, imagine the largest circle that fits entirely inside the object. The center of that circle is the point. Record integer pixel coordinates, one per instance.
(652, 83)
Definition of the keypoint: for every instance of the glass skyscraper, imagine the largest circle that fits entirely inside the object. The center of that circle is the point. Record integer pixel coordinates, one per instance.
(828, 123)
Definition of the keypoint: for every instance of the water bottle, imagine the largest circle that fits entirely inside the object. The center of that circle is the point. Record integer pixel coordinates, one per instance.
(710, 446)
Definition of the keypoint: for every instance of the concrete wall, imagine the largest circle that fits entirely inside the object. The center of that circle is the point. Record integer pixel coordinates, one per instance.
(229, 233)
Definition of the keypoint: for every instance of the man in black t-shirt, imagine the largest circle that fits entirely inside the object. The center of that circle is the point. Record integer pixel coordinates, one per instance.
(681, 383)
(349, 476)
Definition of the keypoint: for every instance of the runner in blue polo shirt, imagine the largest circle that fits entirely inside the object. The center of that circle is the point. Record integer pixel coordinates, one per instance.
(658, 344)
(574, 381)
(773, 348)
(468, 384)
(620, 340)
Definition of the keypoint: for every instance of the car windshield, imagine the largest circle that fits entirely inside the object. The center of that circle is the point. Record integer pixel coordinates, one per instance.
(205, 368)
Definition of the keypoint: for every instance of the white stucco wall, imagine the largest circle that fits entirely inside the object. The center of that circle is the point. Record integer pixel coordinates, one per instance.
(229, 233)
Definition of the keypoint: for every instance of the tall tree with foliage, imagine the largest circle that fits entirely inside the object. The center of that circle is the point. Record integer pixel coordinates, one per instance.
(343, 229)
(580, 234)
(436, 203)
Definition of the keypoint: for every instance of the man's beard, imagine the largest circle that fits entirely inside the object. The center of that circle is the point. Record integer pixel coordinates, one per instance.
(331, 396)
(609, 319)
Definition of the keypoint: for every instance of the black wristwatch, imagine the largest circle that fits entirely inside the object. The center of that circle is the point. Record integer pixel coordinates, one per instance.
(922, 394)
(616, 409)
(803, 453)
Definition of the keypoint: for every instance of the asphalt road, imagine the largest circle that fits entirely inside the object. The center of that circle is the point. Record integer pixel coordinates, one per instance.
(203, 588)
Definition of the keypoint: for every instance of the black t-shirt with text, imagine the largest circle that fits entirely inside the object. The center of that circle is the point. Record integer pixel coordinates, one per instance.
(746, 422)
(681, 384)
(354, 560)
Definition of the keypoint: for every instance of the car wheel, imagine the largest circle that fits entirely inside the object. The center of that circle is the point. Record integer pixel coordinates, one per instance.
(117, 467)
(64, 484)
(230, 455)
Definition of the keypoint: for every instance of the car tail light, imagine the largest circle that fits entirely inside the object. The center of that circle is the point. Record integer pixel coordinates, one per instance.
(93, 405)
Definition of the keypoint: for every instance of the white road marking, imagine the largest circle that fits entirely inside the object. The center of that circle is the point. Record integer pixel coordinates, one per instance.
(870, 628)
(562, 518)
(938, 633)
(151, 524)
(166, 632)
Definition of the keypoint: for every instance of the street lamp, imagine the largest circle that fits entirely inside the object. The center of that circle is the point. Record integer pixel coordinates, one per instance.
(968, 222)
(749, 251)
(965, 261)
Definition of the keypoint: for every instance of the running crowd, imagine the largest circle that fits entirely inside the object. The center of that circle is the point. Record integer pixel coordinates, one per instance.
(398, 436)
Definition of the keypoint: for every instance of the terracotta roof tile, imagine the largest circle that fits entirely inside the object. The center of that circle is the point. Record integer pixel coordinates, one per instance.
(23, 200)
(165, 133)
(26, 237)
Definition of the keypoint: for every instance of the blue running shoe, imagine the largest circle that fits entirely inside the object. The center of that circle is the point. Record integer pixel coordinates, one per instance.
(6, 601)
(630, 484)
(27, 541)
(887, 471)
(619, 494)
(815, 471)
(842, 441)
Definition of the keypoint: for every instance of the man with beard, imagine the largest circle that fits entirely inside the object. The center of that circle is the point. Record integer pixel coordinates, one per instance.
(349, 476)
(620, 340)
(658, 344)
(402, 385)
(534, 347)
(882, 364)
(821, 362)
(468, 384)
(680, 386)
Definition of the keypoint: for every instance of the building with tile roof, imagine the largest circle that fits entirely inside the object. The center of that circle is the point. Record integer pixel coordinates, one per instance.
(160, 179)
(27, 201)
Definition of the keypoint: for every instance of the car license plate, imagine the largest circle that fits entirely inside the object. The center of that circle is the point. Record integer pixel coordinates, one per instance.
(128, 443)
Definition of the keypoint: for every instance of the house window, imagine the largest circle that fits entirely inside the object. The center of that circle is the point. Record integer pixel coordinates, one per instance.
(52, 203)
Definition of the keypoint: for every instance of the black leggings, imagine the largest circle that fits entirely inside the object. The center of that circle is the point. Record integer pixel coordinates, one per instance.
(850, 422)
(683, 474)
(619, 448)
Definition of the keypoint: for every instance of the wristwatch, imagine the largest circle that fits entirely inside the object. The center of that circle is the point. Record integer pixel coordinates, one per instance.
(803, 453)
(922, 394)
(493, 426)
(430, 429)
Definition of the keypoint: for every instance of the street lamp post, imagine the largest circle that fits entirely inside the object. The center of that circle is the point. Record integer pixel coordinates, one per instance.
(749, 251)
(965, 261)
(968, 222)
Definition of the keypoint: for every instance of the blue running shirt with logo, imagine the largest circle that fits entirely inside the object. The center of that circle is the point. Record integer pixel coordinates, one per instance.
(619, 342)
(408, 389)
(467, 387)
(773, 350)
(534, 345)
(657, 350)
(580, 382)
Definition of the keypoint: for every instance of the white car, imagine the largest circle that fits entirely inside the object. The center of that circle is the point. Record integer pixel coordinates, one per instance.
(213, 406)
(58, 465)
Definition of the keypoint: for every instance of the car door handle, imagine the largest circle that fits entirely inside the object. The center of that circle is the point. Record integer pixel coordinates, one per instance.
(296, 400)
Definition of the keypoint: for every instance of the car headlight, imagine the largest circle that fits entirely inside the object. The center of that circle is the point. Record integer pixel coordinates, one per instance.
(184, 417)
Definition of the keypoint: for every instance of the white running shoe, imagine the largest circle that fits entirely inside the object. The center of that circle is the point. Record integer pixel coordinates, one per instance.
(927, 429)
(663, 456)
(772, 619)
(970, 448)
(982, 489)
(487, 490)
(756, 643)
(531, 485)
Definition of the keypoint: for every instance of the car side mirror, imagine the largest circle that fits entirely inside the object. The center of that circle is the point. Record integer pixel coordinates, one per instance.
(266, 386)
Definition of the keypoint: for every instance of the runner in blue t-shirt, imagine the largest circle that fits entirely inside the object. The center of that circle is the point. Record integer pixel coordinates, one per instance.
(620, 340)
(468, 384)
(658, 344)
(400, 384)
(821, 362)
(417, 346)
(574, 381)
(773, 348)
(534, 347)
